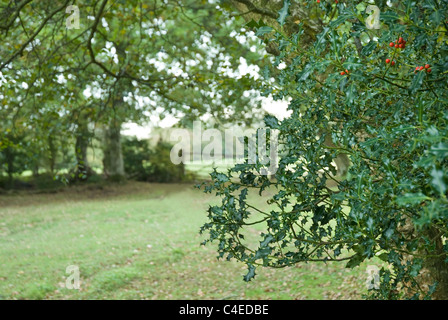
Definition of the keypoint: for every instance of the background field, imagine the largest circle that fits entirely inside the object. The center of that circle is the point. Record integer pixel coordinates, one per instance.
(138, 241)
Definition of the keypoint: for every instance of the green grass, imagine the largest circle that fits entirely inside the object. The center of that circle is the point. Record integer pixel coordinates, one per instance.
(139, 241)
(202, 169)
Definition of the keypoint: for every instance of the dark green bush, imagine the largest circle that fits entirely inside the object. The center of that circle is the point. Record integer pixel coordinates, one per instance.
(142, 163)
(161, 168)
(136, 154)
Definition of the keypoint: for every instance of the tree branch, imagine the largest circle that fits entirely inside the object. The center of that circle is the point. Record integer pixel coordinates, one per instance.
(42, 25)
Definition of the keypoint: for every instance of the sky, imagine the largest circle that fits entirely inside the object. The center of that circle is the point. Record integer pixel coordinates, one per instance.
(276, 108)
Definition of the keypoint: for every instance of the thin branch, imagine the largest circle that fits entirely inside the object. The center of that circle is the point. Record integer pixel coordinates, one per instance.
(251, 7)
(31, 39)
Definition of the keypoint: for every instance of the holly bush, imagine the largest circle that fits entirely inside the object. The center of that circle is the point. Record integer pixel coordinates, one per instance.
(381, 96)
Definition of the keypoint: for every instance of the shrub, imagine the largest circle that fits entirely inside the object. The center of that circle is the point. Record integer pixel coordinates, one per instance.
(152, 165)
(391, 120)
(161, 168)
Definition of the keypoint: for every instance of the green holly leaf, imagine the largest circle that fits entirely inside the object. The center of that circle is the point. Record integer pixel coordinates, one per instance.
(368, 48)
(250, 273)
(284, 12)
(438, 180)
(411, 199)
(417, 81)
(271, 121)
(263, 30)
(440, 150)
(267, 239)
(355, 261)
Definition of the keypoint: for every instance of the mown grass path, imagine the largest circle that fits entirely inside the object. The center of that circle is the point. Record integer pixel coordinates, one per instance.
(138, 241)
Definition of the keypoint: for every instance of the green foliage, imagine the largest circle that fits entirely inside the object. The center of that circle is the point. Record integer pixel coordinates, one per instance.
(151, 165)
(12, 156)
(128, 60)
(392, 122)
(136, 156)
(161, 168)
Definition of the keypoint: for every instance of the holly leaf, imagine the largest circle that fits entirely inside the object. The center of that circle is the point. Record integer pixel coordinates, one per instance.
(368, 48)
(284, 12)
(250, 273)
(271, 121)
(438, 180)
(263, 30)
(351, 93)
(266, 240)
(354, 261)
(440, 150)
(417, 81)
(340, 20)
(411, 199)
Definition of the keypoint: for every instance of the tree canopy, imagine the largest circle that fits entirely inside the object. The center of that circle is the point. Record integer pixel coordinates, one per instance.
(64, 78)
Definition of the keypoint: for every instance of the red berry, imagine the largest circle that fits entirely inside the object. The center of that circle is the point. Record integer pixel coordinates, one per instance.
(421, 68)
(387, 60)
(391, 44)
(401, 46)
(396, 46)
(400, 40)
(392, 63)
(428, 70)
(318, 1)
(342, 73)
(427, 66)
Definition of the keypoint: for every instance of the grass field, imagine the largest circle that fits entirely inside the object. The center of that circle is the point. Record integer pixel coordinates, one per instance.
(138, 241)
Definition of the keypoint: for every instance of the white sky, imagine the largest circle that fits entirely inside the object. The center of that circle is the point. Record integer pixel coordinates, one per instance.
(276, 108)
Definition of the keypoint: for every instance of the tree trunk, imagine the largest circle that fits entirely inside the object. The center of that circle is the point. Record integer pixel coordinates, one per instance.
(53, 154)
(83, 170)
(113, 155)
(9, 154)
(436, 266)
(35, 169)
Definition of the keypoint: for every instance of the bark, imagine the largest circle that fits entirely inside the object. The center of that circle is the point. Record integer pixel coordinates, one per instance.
(113, 155)
(10, 157)
(113, 162)
(35, 169)
(83, 169)
(53, 154)
(435, 268)
(83, 137)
